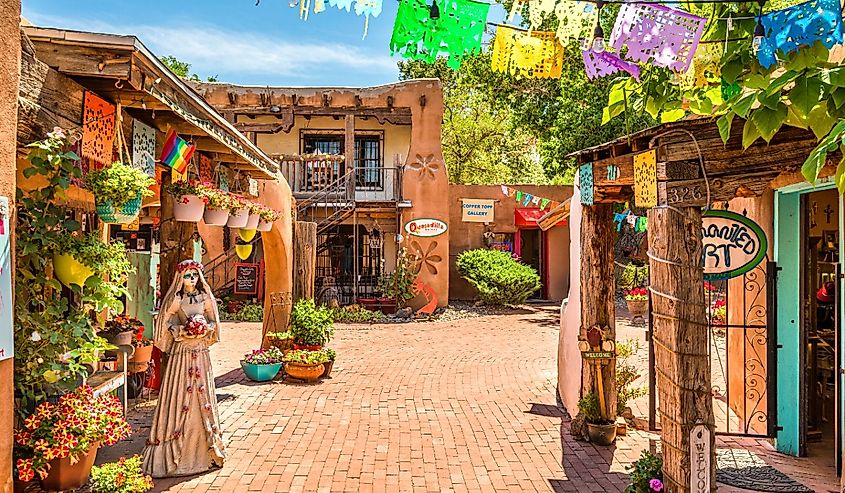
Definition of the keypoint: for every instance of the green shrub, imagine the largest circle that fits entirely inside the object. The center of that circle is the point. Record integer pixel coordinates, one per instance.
(311, 325)
(250, 313)
(498, 277)
(355, 314)
(646, 474)
(124, 476)
(627, 374)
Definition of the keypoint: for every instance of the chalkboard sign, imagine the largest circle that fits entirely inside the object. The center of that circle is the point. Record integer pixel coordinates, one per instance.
(246, 278)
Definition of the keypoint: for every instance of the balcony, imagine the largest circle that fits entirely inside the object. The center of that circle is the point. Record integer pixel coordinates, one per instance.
(324, 178)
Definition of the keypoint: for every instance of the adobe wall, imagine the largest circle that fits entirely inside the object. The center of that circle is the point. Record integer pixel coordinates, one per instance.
(10, 53)
(469, 235)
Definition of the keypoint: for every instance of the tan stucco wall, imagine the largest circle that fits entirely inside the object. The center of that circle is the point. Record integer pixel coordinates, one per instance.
(10, 53)
(469, 235)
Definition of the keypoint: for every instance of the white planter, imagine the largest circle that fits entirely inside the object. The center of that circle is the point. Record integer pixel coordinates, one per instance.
(215, 217)
(252, 221)
(264, 225)
(188, 208)
(239, 219)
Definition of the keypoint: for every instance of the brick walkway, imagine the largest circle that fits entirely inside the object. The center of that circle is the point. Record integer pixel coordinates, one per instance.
(467, 405)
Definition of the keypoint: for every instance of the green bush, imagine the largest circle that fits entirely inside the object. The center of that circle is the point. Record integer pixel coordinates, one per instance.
(250, 313)
(124, 476)
(354, 314)
(311, 325)
(646, 474)
(498, 277)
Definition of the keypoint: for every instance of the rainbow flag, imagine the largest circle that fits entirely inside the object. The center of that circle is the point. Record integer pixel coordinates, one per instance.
(176, 152)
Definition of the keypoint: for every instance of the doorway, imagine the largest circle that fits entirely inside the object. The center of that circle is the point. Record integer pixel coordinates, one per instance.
(532, 251)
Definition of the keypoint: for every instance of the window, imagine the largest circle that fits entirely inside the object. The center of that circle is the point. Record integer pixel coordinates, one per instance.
(368, 158)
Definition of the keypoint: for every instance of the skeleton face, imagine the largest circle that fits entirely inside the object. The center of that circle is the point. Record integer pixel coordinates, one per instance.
(190, 278)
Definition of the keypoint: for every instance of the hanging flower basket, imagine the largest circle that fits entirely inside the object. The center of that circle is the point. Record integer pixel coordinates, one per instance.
(188, 208)
(264, 225)
(70, 271)
(66, 475)
(252, 221)
(215, 217)
(239, 218)
(119, 215)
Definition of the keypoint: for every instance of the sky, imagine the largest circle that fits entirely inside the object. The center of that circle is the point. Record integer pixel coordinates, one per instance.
(241, 42)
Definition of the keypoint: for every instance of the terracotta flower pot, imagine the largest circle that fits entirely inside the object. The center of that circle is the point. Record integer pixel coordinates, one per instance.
(387, 305)
(315, 347)
(637, 308)
(238, 219)
(188, 208)
(70, 271)
(252, 221)
(304, 372)
(141, 359)
(119, 215)
(328, 369)
(66, 476)
(264, 225)
(215, 217)
(601, 434)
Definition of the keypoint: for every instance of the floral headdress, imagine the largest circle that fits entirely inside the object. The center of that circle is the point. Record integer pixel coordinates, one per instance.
(188, 265)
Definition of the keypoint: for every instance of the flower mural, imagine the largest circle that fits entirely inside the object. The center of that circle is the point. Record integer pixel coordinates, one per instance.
(424, 257)
(426, 166)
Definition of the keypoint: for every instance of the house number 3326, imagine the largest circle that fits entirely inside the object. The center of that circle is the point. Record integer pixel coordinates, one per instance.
(683, 194)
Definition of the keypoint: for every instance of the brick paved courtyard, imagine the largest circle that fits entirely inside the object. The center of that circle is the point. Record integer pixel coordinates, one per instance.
(466, 405)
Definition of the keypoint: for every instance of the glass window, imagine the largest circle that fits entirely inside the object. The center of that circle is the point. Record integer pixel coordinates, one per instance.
(368, 163)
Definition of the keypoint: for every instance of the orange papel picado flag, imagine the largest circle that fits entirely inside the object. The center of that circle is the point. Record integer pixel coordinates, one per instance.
(176, 152)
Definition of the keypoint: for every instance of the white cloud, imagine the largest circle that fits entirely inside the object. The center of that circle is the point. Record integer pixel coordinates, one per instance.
(212, 51)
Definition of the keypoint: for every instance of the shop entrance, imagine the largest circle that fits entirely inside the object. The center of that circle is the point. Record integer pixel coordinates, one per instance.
(532, 251)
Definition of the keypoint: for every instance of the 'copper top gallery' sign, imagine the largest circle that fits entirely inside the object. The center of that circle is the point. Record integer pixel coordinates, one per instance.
(477, 210)
(733, 244)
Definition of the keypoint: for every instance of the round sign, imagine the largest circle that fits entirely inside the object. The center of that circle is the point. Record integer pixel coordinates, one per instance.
(425, 227)
(733, 244)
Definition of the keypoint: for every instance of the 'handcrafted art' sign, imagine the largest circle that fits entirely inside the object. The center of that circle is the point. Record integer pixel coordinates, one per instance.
(425, 227)
(477, 210)
(733, 244)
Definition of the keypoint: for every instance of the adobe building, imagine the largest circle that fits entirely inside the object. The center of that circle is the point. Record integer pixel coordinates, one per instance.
(483, 216)
(366, 165)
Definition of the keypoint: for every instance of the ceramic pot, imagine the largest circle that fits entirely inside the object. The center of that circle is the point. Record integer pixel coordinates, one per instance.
(243, 251)
(66, 476)
(215, 217)
(141, 359)
(70, 271)
(261, 373)
(304, 372)
(119, 215)
(328, 369)
(252, 221)
(387, 305)
(601, 434)
(637, 308)
(264, 225)
(238, 219)
(188, 208)
(121, 339)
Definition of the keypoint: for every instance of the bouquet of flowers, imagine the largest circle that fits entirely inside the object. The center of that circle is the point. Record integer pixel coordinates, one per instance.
(70, 427)
(636, 294)
(196, 326)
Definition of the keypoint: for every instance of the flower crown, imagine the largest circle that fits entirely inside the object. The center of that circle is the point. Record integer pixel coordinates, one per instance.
(188, 265)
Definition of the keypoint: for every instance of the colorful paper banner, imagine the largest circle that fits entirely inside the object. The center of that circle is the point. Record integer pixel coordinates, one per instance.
(98, 117)
(645, 179)
(522, 54)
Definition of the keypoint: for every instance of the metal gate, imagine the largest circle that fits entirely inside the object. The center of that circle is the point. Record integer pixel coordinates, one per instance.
(742, 324)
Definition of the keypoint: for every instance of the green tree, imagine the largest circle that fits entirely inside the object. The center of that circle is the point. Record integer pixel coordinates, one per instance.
(183, 69)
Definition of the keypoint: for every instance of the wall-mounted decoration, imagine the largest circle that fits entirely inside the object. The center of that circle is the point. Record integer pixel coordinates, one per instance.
(424, 257)
(733, 244)
(144, 147)
(801, 25)
(533, 55)
(421, 288)
(426, 166)
(585, 183)
(246, 278)
(98, 117)
(477, 210)
(7, 344)
(425, 227)
(657, 34)
(612, 172)
(645, 179)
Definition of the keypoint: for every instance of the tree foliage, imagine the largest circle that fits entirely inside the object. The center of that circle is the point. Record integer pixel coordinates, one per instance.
(183, 69)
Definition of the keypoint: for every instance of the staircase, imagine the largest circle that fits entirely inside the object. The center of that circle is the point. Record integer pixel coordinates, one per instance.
(330, 206)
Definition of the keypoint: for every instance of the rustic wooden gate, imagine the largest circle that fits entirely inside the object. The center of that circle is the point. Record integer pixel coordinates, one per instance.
(742, 325)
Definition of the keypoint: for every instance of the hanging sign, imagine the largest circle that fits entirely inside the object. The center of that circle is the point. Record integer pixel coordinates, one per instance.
(246, 278)
(425, 227)
(477, 210)
(699, 444)
(7, 343)
(733, 244)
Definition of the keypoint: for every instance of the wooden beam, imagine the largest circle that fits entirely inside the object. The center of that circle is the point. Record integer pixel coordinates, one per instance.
(349, 149)
(681, 347)
(396, 116)
(622, 171)
(83, 60)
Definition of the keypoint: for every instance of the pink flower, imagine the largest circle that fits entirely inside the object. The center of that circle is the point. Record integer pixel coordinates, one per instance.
(655, 485)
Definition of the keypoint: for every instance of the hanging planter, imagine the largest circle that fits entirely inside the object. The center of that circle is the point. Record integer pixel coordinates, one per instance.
(218, 204)
(69, 270)
(118, 192)
(246, 234)
(267, 217)
(243, 251)
(188, 208)
(264, 225)
(252, 221)
(215, 217)
(238, 218)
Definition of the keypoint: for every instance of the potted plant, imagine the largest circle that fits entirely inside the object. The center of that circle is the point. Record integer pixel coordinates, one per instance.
(118, 190)
(330, 356)
(312, 326)
(254, 211)
(396, 288)
(77, 258)
(122, 330)
(59, 442)
(600, 430)
(123, 476)
(217, 205)
(262, 365)
(267, 217)
(637, 300)
(303, 364)
(143, 350)
(189, 205)
(238, 212)
(281, 340)
(646, 474)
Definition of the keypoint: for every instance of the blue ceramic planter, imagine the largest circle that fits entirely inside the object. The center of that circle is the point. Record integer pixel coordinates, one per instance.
(261, 373)
(119, 215)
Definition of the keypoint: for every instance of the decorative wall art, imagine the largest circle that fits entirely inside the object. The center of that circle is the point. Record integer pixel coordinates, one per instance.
(585, 176)
(604, 63)
(424, 257)
(645, 179)
(801, 25)
(657, 34)
(531, 55)
(206, 172)
(455, 32)
(144, 147)
(426, 166)
(98, 117)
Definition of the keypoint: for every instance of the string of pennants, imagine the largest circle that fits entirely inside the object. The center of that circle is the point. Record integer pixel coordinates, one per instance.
(638, 223)
(644, 32)
(526, 199)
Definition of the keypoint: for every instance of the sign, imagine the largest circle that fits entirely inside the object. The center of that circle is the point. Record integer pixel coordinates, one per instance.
(733, 244)
(645, 179)
(425, 227)
(477, 210)
(699, 445)
(246, 278)
(597, 354)
(7, 343)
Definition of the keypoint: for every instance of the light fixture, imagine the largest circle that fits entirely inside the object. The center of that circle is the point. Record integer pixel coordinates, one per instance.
(434, 13)
(598, 39)
(275, 108)
(759, 30)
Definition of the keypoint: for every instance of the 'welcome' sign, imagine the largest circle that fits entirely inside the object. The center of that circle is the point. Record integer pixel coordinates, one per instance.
(733, 244)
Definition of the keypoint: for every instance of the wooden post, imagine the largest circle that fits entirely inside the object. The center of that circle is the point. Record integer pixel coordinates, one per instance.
(598, 293)
(681, 349)
(349, 153)
(176, 238)
(304, 260)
